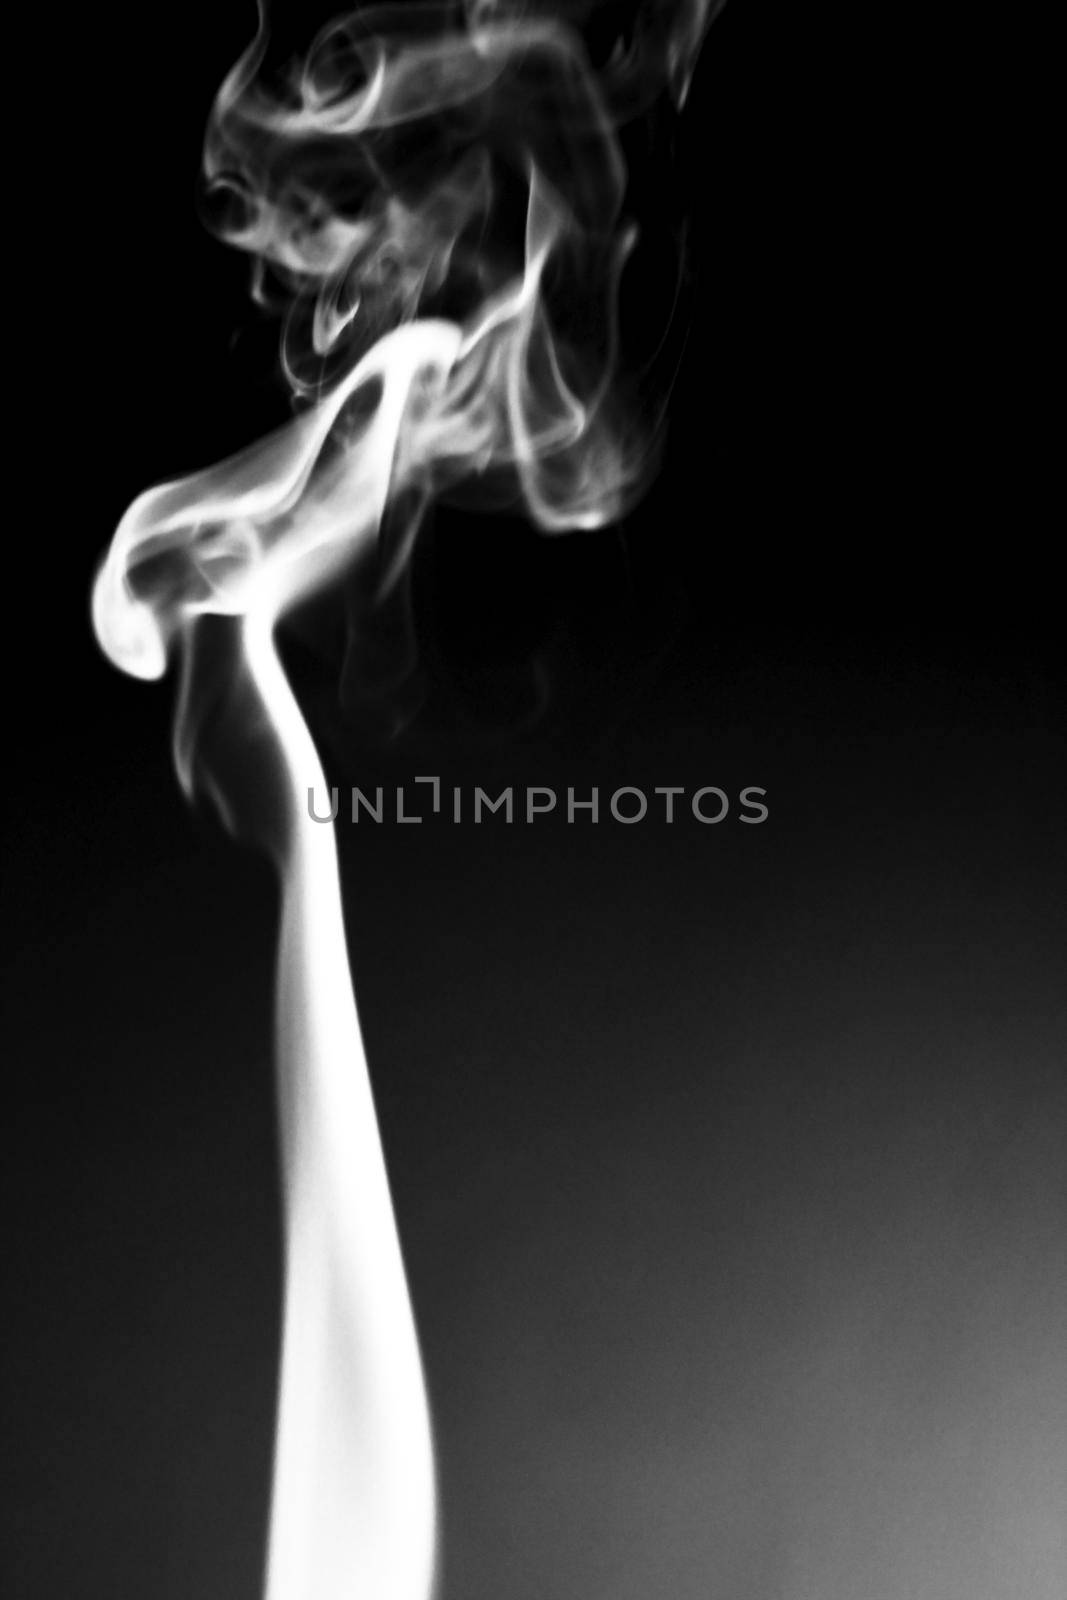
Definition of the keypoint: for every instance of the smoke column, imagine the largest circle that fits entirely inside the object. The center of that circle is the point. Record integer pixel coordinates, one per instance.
(434, 198)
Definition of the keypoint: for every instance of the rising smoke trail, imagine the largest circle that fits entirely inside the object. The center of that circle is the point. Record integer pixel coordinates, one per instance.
(435, 195)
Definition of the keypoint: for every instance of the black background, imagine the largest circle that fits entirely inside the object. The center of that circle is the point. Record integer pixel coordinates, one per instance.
(727, 1161)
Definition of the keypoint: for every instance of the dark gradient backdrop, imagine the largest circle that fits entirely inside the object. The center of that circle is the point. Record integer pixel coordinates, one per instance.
(729, 1162)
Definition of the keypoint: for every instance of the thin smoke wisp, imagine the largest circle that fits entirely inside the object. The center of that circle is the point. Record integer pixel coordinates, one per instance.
(434, 197)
